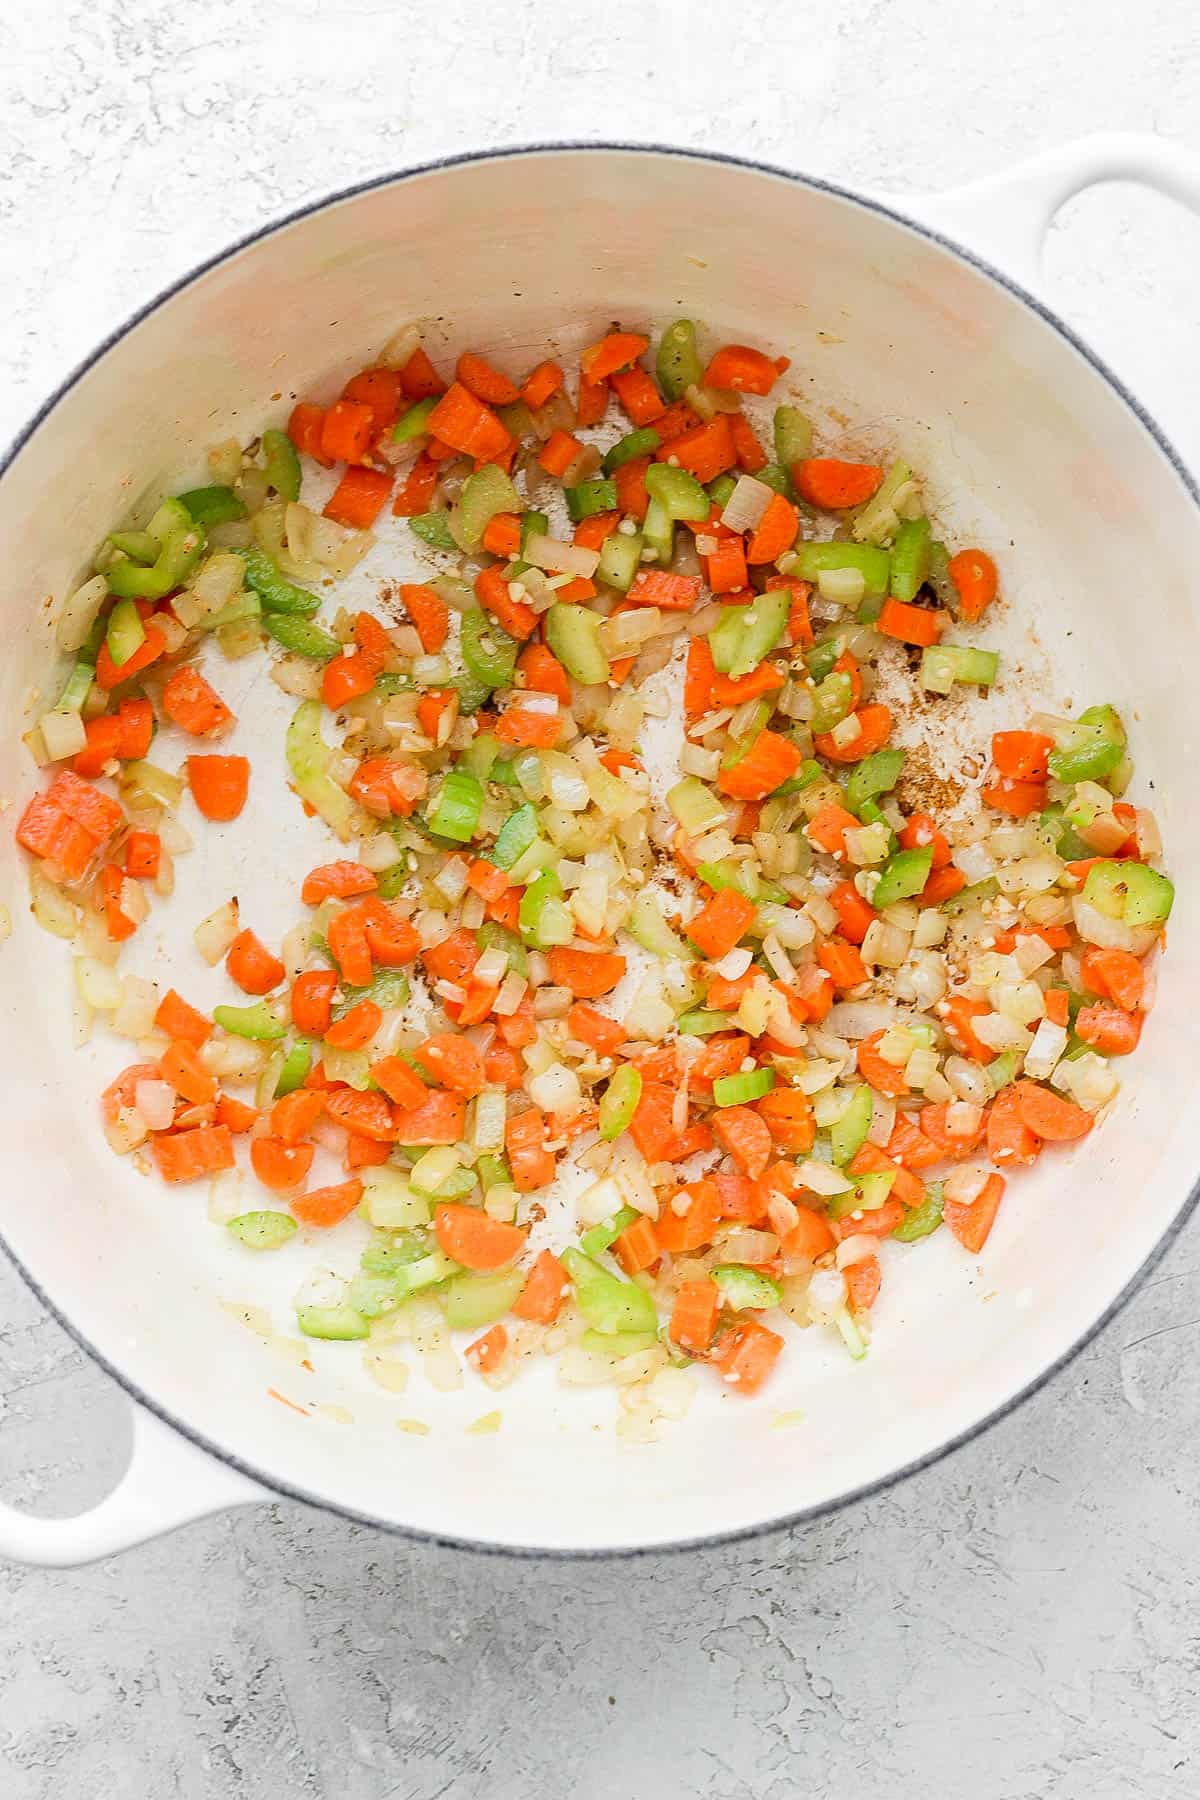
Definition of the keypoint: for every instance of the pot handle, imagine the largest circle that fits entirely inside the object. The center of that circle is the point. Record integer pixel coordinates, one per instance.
(1006, 216)
(168, 1482)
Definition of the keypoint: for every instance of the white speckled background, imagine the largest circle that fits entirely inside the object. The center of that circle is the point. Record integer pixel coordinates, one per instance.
(1016, 1624)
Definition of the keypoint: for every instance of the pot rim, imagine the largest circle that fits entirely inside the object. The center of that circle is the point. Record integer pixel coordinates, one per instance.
(866, 1490)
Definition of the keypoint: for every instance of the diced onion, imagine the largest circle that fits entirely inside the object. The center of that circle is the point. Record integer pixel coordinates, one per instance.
(155, 1100)
(79, 613)
(561, 558)
(860, 1018)
(214, 935)
(823, 1178)
(746, 505)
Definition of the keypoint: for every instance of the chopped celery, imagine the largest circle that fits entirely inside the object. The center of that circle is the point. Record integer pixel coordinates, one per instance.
(399, 1248)
(618, 1343)
(678, 491)
(848, 1134)
(923, 1219)
(308, 759)
(775, 476)
(341, 1323)
(543, 915)
(484, 494)
(975, 895)
(433, 528)
(415, 422)
(876, 521)
(695, 807)
(867, 1195)
(374, 1295)
(281, 465)
(737, 747)
(390, 1203)
(296, 1065)
(494, 936)
(1091, 748)
(263, 1230)
(242, 607)
(793, 436)
(607, 1303)
(721, 490)
(809, 771)
(301, 636)
(387, 988)
(703, 1023)
(493, 1171)
(212, 505)
(76, 688)
(455, 812)
(472, 1301)
(904, 875)
(743, 1287)
(744, 878)
(276, 593)
(260, 1021)
(910, 558)
(1002, 1070)
(739, 1090)
(1130, 892)
(619, 1101)
(944, 664)
(517, 833)
(180, 546)
(821, 658)
(833, 700)
(620, 560)
(533, 524)
(850, 1333)
(634, 444)
(572, 634)
(875, 565)
(458, 1183)
(658, 533)
(599, 1238)
(647, 927)
(125, 634)
(480, 754)
(588, 497)
(488, 653)
(744, 635)
(136, 544)
(678, 365)
(875, 774)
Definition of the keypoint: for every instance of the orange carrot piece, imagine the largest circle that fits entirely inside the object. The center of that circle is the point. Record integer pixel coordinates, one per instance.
(770, 761)
(312, 1001)
(855, 915)
(367, 1113)
(181, 1066)
(633, 497)
(502, 535)
(280, 1166)
(874, 730)
(1109, 1029)
(419, 379)
(920, 625)
(972, 1222)
(467, 425)
(721, 923)
(546, 1287)
(920, 832)
(725, 567)
(751, 457)
(884, 1076)
(679, 1231)
(109, 675)
(595, 1029)
(827, 831)
(544, 674)
(670, 593)
(439, 1119)
(636, 1247)
(1009, 1140)
(359, 497)
(452, 1061)
(219, 785)
(486, 382)
(705, 451)
(698, 683)
(775, 532)
(616, 351)
(1017, 798)
(541, 384)
(355, 1028)
(337, 880)
(694, 1314)
(958, 1015)
(536, 730)
(842, 963)
(590, 533)
(744, 370)
(746, 1354)
(974, 575)
(491, 590)
(179, 1020)
(252, 966)
(323, 1207)
(235, 1114)
(766, 679)
(347, 431)
(586, 973)
(788, 1116)
(1114, 975)
(454, 958)
(745, 1136)
(304, 427)
(293, 1116)
(416, 494)
(559, 452)
(187, 1155)
(488, 1352)
(1021, 755)
(531, 1163)
(380, 389)
(143, 854)
(347, 677)
(1048, 1115)
(192, 704)
(638, 396)
(399, 1081)
(832, 485)
(863, 1281)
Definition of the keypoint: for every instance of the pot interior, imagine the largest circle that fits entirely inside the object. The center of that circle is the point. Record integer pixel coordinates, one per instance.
(896, 344)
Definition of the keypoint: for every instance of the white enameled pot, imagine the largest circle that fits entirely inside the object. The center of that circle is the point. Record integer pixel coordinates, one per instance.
(1023, 436)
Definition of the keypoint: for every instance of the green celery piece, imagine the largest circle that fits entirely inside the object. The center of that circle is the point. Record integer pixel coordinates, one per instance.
(848, 1134)
(472, 1301)
(739, 1090)
(242, 607)
(588, 497)
(572, 633)
(433, 528)
(281, 465)
(544, 917)
(455, 812)
(620, 560)
(658, 532)
(126, 634)
(938, 577)
(278, 595)
(484, 494)
(480, 754)
(1129, 891)
(390, 1251)
(488, 653)
(263, 1230)
(302, 637)
(340, 1323)
(618, 1343)
(619, 1101)
(517, 833)
(374, 1295)
(494, 936)
(414, 423)
(821, 658)
(1002, 1070)
(944, 664)
(138, 544)
(721, 490)
(876, 774)
(458, 1183)
(677, 364)
(744, 1287)
(702, 1023)
(876, 521)
(533, 524)
(1091, 748)
(493, 1171)
(793, 436)
(308, 758)
(599, 1238)
(647, 927)
(746, 881)
(744, 635)
(695, 806)
(76, 688)
(921, 1220)
(387, 988)
(259, 1022)
(809, 771)
(833, 700)
(975, 895)
(643, 442)
(875, 565)
(904, 875)
(910, 558)
(678, 491)
(775, 476)
(296, 1066)
(867, 1195)
(212, 505)
(737, 747)
(607, 1303)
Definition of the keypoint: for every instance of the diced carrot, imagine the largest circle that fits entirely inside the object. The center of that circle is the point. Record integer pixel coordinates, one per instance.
(502, 535)
(638, 396)
(293, 1116)
(534, 730)
(143, 855)
(454, 958)
(219, 785)
(347, 431)
(636, 1247)
(788, 1116)
(751, 457)
(974, 575)
(689, 1220)
(721, 923)
(488, 1352)
(652, 1127)
(950, 1143)
(546, 1287)
(874, 730)
(503, 1067)
(559, 452)
(1017, 798)
(958, 1015)
(467, 425)
(942, 885)
(470, 1237)
(909, 1146)
(304, 427)
(391, 939)
(745, 1136)
(355, 1029)
(1021, 755)
(906, 1187)
(347, 939)
(775, 532)
(766, 679)
(181, 1066)
(722, 1055)
(593, 1028)
(110, 675)
(670, 593)
(359, 497)
(746, 1354)
(855, 915)
(920, 625)
(181, 1021)
(884, 1076)
(452, 1061)
(312, 1001)
(323, 1207)
(1057, 1006)
(770, 761)
(1009, 1139)
(832, 485)
(705, 450)
(632, 496)
(586, 973)
(416, 493)
(543, 674)
(1109, 1029)
(541, 384)
(484, 381)
(532, 1165)
(235, 1114)
(280, 1166)
(698, 682)
(380, 389)
(337, 880)
(725, 567)
(863, 1281)
(592, 402)
(346, 678)
(1114, 975)
(252, 966)
(419, 379)
(118, 922)
(744, 370)
(1048, 1115)
(827, 831)
(694, 1314)
(519, 1028)
(399, 1081)
(616, 351)
(368, 1113)
(971, 1222)
(842, 963)
(191, 703)
(438, 1119)
(387, 785)
(187, 1155)
(491, 590)
(920, 832)
(104, 739)
(590, 533)
(880, 1221)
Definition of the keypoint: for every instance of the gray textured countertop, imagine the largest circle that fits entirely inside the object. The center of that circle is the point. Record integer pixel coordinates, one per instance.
(1017, 1623)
